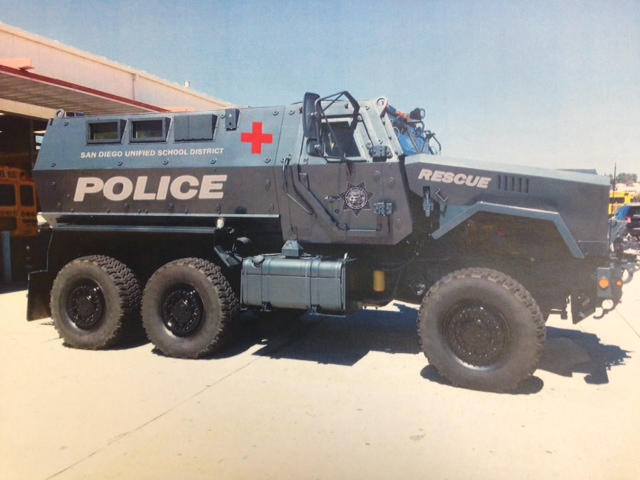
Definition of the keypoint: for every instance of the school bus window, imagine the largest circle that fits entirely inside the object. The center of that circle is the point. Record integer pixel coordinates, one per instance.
(7, 196)
(27, 196)
(148, 130)
(104, 132)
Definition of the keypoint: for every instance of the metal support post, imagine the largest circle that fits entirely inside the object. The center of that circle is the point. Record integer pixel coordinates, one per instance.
(6, 257)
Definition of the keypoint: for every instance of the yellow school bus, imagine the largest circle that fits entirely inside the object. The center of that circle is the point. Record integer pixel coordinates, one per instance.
(18, 204)
(617, 199)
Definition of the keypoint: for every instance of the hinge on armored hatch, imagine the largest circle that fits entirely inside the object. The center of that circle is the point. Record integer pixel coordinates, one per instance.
(383, 209)
(232, 115)
(380, 153)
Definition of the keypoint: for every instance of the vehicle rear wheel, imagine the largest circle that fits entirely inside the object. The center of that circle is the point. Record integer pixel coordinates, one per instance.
(187, 308)
(95, 302)
(481, 329)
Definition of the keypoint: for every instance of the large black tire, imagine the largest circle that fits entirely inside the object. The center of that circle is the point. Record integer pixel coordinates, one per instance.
(95, 302)
(187, 308)
(481, 329)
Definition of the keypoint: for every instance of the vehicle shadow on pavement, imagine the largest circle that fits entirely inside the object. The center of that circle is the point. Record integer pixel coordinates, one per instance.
(529, 386)
(12, 287)
(568, 352)
(345, 341)
(332, 340)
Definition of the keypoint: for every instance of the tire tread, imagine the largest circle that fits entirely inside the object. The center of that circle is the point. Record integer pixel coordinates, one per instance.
(129, 295)
(513, 288)
(229, 306)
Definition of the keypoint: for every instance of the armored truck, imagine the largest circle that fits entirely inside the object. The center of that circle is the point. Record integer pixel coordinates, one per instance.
(180, 221)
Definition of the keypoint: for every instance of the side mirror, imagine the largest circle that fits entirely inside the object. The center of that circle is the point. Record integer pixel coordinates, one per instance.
(310, 120)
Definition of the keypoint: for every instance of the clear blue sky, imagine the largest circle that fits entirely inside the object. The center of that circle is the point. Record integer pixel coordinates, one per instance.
(553, 83)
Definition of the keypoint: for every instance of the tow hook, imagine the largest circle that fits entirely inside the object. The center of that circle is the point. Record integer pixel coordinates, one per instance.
(607, 306)
(628, 269)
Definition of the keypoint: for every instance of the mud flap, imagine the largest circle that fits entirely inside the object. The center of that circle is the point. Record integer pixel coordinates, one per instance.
(38, 296)
(582, 305)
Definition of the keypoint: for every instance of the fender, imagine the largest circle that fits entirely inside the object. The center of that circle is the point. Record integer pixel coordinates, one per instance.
(468, 212)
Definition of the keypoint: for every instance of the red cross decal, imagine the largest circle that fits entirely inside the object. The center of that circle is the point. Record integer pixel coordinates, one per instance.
(256, 138)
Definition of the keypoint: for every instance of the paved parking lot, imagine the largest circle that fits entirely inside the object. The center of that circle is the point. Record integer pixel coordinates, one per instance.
(321, 398)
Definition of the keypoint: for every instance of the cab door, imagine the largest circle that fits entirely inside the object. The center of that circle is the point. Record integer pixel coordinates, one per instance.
(339, 192)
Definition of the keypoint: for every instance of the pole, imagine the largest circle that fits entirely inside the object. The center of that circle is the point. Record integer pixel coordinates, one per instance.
(6, 257)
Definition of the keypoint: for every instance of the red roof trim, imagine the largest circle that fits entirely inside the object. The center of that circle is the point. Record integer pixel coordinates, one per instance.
(79, 88)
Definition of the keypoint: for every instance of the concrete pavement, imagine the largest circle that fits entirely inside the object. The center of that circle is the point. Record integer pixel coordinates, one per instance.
(316, 399)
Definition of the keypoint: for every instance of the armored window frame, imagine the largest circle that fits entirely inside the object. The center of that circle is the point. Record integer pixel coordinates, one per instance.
(338, 140)
(149, 130)
(105, 131)
(342, 141)
(194, 128)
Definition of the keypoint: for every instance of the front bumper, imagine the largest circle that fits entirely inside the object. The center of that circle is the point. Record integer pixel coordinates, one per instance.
(609, 286)
(601, 296)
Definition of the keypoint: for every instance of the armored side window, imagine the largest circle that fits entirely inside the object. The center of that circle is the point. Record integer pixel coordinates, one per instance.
(338, 141)
(149, 130)
(189, 128)
(105, 131)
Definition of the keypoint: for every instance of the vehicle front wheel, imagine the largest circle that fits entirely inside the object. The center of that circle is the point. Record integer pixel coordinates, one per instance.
(481, 329)
(187, 308)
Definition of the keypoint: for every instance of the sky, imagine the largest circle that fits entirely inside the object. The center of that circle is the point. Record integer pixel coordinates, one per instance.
(549, 83)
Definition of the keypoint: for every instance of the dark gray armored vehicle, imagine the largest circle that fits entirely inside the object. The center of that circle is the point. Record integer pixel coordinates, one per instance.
(325, 206)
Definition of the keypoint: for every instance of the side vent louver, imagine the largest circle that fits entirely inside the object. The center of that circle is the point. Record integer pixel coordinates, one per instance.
(509, 183)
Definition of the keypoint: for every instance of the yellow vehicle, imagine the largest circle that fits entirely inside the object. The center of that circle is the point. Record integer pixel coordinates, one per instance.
(18, 206)
(617, 199)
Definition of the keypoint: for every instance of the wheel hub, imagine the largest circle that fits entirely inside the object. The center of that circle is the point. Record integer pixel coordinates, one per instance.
(182, 311)
(476, 334)
(85, 305)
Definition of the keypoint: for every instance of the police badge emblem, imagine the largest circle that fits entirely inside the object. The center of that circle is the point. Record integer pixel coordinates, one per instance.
(356, 198)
